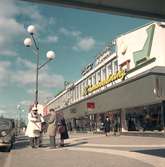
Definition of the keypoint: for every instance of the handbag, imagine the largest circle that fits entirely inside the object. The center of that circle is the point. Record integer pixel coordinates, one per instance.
(61, 129)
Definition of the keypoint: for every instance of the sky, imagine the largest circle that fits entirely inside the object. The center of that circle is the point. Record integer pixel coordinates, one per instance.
(76, 36)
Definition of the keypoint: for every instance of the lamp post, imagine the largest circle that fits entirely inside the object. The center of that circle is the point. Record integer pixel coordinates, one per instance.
(50, 55)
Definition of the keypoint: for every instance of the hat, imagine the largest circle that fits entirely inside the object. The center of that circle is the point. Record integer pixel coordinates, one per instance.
(52, 110)
(34, 109)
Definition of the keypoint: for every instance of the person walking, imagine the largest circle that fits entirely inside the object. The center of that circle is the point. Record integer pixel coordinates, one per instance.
(116, 126)
(107, 125)
(52, 128)
(34, 127)
(62, 129)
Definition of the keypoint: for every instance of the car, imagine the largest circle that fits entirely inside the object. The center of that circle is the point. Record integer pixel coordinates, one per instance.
(7, 134)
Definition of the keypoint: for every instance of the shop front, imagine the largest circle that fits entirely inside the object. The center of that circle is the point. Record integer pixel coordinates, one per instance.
(134, 105)
(145, 118)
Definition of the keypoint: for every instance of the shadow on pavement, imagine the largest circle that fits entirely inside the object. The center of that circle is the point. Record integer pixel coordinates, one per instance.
(81, 139)
(3, 150)
(156, 152)
(75, 144)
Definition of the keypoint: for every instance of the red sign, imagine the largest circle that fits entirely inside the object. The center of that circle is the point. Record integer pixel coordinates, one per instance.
(90, 105)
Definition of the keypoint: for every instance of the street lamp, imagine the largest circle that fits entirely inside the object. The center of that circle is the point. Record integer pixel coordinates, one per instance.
(28, 42)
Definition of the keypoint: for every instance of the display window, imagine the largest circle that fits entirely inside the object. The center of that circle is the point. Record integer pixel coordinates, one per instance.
(146, 118)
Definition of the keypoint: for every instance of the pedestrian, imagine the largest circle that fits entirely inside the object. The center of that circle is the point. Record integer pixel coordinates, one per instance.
(52, 128)
(107, 125)
(34, 127)
(43, 125)
(116, 126)
(62, 129)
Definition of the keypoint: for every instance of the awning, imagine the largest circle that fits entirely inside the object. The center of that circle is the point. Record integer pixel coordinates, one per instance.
(152, 9)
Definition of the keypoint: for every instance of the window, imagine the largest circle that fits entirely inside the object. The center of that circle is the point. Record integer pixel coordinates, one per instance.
(109, 69)
(103, 73)
(77, 92)
(115, 66)
(90, 81)
(74, 94)
(81, 89)
(94, 79)
(85, 84)
(71, 96)
(145, 118)
(98, 76)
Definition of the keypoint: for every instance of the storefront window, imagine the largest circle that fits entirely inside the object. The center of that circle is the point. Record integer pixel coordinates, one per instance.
(147, 118)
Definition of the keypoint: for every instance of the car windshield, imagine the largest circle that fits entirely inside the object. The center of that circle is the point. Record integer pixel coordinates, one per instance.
(4, 124)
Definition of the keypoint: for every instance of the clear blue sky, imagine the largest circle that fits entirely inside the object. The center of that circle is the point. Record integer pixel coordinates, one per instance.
(76, 36)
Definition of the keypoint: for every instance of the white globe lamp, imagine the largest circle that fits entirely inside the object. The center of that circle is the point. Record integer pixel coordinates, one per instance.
(50, 55)
(28, 42)
(31, 29)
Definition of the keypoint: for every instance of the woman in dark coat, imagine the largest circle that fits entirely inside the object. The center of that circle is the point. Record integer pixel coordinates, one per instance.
(63, 131)
(107, 125)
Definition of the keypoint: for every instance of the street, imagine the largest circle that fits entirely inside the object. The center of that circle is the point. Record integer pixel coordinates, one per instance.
(88, 150)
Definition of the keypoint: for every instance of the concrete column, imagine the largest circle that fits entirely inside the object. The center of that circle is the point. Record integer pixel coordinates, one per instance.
(124, 127)
(163, 114)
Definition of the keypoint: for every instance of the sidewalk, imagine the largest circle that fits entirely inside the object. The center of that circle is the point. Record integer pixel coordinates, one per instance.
(101, 139)
(150, 150)
(95, 150)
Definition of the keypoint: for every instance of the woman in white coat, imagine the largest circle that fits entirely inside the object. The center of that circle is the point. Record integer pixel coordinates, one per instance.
(34, 127)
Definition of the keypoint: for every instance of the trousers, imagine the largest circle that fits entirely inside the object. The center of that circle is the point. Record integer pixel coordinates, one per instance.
(52, 141)
(34, 141)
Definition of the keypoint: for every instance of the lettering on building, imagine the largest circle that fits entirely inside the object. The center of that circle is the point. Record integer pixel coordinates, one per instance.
(113, 77)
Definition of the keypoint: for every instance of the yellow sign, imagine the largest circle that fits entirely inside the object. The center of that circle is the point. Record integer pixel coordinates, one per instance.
(113, 77)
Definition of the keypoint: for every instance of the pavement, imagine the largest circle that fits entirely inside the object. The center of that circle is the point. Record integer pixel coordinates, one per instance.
(89, 150)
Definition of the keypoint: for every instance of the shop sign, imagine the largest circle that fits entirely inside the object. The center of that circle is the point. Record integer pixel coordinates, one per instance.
(113, 77)
(90, 105)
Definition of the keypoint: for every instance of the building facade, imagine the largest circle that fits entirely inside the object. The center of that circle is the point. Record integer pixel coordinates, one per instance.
(126, 82)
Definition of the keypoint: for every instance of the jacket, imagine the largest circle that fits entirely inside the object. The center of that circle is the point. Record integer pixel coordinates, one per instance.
(34, 125)
(52, 127)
